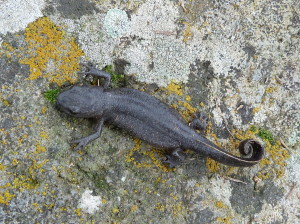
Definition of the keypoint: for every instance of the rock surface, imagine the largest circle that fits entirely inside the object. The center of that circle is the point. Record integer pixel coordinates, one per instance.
(236, 60)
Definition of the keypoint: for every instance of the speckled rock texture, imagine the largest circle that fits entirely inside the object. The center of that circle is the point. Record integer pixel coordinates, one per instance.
(238, 61)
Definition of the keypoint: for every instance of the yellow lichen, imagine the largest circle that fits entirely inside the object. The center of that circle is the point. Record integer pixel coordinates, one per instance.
(187, 32)
(5, 197)
(137, 147)
(14, 162)
(225, 220)
(153, 154)
(44, 135)
(271, 89)
(7, 185)
(255, 110)
(63, 209)
(51, 54)
(92, 222)
(265, 162)
(44, 110)
(175, 197)
(177, 209)
(189, 109)
(174, 88)
(49, 206)
(78, 211)
(2, 167)
(36, 167)
(156, 155)
(276, 156)
(160, 180)
(220, 204)
(8, 50)
(24, 183)
(115, 210)
(160, 207)
(39, 149)
(175, 206)
(5, 102)
(20, 140)
(37, 207)
(212, 165)
(134, 208)
(188, 98)
(201, 104)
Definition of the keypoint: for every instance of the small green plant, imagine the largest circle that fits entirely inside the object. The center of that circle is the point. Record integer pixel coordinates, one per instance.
(51, 95)
(265, 135)
(114, 77)
(262, 133)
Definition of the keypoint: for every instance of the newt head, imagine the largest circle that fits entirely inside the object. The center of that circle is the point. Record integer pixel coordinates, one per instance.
(80, 101)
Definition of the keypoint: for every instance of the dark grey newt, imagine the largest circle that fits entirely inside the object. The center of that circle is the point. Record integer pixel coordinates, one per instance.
(149, 119)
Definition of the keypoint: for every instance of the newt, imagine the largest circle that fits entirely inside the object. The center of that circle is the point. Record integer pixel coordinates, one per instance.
(149, 119)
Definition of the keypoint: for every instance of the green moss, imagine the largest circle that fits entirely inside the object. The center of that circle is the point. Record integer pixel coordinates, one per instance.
(265, 135)
(108, 68)
(51, 95)
(115, 78)
(262, 133)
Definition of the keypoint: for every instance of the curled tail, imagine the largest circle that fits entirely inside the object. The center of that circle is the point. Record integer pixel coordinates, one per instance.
(251, 150)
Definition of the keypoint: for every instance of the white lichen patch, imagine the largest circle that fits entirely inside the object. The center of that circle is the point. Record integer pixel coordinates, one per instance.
(218, 116)
(116, 23)
(166, 56)
(220, 190)
(89, 203)
(16, 14)
(224, 54)
(155, 18)
(285, 211)
(269, 214)
(250, 94)
(294, 137)
(157, 56)
(294, 168)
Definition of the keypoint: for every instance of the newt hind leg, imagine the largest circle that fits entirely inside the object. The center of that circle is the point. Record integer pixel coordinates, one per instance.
(175, 158)
(199, 122)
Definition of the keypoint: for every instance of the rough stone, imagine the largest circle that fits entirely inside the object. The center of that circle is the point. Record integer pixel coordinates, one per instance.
(235, 60)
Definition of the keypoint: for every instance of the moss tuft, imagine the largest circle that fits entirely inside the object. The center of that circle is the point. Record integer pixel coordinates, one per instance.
(51, 95)
(265, 135)
(115, 78)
